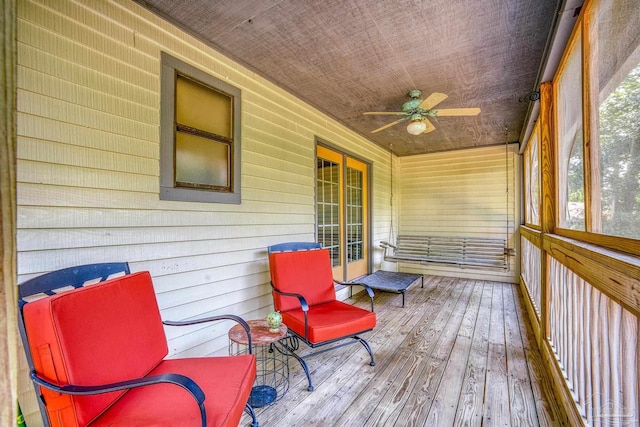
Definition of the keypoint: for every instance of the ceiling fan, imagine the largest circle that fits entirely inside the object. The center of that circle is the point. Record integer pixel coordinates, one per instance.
(417, 112)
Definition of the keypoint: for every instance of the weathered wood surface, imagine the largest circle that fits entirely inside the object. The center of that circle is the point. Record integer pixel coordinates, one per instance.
(482, 252)
(459, 353)
(8, 197)
(614, 274)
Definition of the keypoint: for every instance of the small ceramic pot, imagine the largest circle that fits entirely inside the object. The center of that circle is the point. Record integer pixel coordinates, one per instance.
(274, 320)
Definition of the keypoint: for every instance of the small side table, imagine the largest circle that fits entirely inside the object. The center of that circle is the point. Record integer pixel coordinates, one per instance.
(272, 360)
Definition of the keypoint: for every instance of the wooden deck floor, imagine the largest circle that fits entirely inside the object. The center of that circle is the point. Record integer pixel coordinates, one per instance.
(459, 353)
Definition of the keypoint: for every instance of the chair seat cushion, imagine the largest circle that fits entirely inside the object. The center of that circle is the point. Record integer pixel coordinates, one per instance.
(226, 382)
(330, 321)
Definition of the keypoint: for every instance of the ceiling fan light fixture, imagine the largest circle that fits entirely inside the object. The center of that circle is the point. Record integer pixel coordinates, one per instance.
(418, 111)
(416, 127)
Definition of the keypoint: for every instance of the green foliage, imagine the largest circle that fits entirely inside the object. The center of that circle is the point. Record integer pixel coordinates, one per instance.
(620, 158)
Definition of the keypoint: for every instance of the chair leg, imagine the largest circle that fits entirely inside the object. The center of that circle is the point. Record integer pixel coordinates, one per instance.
(249, 410)
(302, 363)
(306, 371)
(366, 346)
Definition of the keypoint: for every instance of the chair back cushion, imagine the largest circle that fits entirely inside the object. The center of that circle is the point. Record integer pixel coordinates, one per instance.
(98, 334)
(302, 272)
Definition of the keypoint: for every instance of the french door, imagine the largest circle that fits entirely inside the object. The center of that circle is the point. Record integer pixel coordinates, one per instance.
(342, 212)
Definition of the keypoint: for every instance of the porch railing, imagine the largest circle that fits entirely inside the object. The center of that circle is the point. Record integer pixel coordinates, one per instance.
(584, 304)
(530, 270)
(595, 341)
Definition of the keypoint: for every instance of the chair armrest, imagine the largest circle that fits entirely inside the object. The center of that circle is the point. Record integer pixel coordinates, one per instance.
(180, 380)
(303, 305)
(303, 302)
(366, 288)
(236, 319)
(386, 245)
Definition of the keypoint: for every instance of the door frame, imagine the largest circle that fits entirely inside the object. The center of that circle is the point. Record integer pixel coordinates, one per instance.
(369, 209)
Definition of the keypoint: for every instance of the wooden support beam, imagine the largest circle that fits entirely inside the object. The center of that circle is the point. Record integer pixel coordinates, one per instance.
(547, 191)
(8, 312)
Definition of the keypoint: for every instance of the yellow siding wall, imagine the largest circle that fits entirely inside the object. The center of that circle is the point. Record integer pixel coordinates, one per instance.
(461, 193)
(88, 167)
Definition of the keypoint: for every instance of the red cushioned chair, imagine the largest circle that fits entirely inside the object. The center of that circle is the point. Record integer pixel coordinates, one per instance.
(97, 353)
(304, 294)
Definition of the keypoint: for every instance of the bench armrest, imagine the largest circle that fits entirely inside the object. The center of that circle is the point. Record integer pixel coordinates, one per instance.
(180, 380)
(386, 245)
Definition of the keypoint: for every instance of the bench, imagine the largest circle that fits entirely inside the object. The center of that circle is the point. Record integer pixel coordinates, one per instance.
(475, 252)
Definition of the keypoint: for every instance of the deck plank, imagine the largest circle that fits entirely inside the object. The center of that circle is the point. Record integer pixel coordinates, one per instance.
(440, 335)
(469, 412)
(496, 406)
(426, 336)
(459, 353)
(445, 405)
(523, 407)
(398, 350)
(547, 407)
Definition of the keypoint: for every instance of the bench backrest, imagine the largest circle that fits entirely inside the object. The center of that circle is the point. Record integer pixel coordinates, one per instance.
(103, 333)
(473, 251)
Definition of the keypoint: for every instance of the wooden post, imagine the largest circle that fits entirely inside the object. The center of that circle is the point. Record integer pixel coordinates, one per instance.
(547, 194)
(547, 228)
(8, 324)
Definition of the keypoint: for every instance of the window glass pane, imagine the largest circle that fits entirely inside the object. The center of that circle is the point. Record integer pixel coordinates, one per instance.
(615, 91)
(200, 107)
(570, 150)
(201, 161)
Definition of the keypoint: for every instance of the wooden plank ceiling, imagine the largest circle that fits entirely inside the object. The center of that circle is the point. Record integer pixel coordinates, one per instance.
(346, 57)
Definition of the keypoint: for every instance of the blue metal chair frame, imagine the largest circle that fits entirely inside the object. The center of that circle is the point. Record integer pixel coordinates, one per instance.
(291, 343)
(77, 277)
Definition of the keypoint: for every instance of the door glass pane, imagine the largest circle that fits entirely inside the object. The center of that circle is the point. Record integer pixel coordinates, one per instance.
(328, 208)
(570, 144)
(615, 91)
(355, 238)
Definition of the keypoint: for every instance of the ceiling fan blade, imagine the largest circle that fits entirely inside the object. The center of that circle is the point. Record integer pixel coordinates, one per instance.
(385, 113)
(430, 126)
(450, 112)
(389, 125)
(433, 100)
